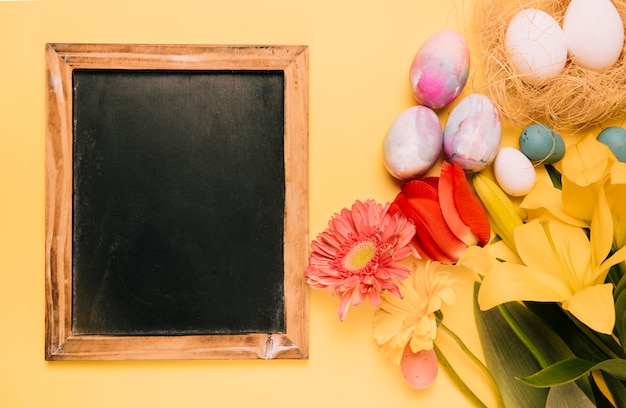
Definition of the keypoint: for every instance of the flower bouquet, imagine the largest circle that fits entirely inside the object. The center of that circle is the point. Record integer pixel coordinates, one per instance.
(544, 242)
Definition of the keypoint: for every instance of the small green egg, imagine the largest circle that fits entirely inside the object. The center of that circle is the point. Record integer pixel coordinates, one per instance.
(615, 138)
(541, 144)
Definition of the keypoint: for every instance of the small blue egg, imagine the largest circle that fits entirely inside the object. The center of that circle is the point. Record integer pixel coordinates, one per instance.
(615, 138)
(541, 144)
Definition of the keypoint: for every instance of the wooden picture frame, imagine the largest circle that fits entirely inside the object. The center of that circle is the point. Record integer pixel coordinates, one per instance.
(62, 62)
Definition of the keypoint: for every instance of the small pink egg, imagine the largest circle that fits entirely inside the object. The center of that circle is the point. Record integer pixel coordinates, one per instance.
(419, 369)
(440, 69)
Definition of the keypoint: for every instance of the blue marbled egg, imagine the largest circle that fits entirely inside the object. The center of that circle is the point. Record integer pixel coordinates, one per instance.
(473, 132)
(541, 144)
(615, 138)
(413, 142)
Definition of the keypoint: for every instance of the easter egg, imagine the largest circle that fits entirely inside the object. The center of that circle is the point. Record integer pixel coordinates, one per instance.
(541, 144)
(413, 143)
(536, 45)
(419, 369)
(615, 138)
(472, 134)
(514, 172)
(440, 68)
(594, 32)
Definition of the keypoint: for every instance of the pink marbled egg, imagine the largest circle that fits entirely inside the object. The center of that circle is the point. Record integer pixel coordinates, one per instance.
(440, 69)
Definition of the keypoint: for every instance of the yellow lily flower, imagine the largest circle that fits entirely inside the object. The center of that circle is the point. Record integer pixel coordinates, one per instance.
(589, 170)
(560, 265)
(587, 166)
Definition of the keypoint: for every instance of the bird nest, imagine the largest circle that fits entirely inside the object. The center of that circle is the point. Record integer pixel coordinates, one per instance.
(574, 100)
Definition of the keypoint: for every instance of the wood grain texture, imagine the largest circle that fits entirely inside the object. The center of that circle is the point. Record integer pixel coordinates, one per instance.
(61, 60)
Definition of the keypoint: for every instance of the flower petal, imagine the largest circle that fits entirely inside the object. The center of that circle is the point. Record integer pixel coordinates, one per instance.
(586, 161)
(594, 307)
(576, 199)
(433, 237)
(545, 197)
(616, 196)
(385, 326)
(557, 249)
(601, 235)
(462, 210)
(585, 166)
(508, 282)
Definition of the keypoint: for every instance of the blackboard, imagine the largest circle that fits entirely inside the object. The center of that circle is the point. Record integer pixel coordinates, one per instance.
(176, 199)
(163, 242)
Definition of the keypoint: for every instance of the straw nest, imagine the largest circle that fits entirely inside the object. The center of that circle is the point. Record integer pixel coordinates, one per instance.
(575, 100)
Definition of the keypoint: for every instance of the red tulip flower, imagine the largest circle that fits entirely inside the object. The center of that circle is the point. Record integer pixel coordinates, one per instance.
(448, 217)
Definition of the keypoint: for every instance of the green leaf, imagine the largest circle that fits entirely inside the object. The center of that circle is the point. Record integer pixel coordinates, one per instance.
(562, 396)
(566, 371)
(620, 317)
(561, 372)
(555, 176)
(507, 358)
(621, 285)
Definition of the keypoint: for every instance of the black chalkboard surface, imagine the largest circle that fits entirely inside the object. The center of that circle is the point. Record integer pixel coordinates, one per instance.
(176, 201)
(179, 193)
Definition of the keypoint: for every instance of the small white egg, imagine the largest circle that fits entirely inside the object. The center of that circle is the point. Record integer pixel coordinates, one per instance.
(594, 32)
(514, 172)
(536, 45)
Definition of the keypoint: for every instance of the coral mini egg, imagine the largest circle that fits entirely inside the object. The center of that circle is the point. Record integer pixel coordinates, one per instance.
(440, 69)
(541, 144)
(419, 369)
(514, 172)
(413, 143)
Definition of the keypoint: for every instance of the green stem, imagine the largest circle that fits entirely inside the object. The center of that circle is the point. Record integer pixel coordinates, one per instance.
(456, 379)
(527, 341)
(483, 368)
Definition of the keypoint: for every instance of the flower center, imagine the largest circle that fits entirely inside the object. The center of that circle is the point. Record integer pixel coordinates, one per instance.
(360, 255)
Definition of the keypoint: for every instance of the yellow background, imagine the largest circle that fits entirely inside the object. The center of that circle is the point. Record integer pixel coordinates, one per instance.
(360, 53)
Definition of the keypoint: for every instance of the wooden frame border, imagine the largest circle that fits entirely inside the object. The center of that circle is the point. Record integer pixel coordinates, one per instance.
(61, 60)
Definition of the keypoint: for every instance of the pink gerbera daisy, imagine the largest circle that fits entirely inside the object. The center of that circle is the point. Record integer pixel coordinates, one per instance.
(357, 256)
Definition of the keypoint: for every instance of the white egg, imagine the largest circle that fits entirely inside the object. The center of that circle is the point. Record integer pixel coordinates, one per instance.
(536, 45)
(514, 172)
(594, 32)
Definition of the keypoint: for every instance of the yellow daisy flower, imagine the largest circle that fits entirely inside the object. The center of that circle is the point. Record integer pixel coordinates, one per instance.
(412, 319)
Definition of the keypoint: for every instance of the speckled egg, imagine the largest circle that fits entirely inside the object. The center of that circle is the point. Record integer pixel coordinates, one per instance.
(472, 134)
(515, 174)
(541, 144)
(413, 143)
(615, 138)
(440, 68)
(419, 369)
